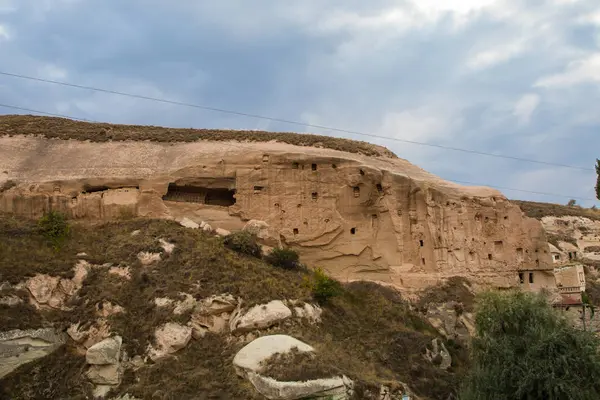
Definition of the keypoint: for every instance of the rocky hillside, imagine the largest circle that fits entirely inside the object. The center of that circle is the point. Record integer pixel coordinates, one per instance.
(150, 309)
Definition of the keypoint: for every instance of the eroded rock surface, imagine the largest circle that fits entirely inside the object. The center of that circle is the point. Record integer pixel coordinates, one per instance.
(170, 338)
(249, 362)
(18, 347)
(360, 217)
(260, 316)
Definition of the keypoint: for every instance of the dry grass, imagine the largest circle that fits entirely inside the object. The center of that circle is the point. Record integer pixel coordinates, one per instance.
(539, 210)
(369, 332)
(555, 238)
(298, 366)
(455, 289)
(56, 376)
(61, 128)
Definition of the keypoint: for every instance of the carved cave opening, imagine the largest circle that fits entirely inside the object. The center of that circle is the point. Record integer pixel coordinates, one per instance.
(198, 194)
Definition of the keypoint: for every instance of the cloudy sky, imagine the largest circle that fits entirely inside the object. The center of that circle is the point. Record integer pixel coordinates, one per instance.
(512, 77)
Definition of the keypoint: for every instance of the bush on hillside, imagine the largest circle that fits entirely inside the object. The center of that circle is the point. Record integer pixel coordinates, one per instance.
(243, 242)
(323, 287)
(54, 227)
(283, 258)
(523, 349)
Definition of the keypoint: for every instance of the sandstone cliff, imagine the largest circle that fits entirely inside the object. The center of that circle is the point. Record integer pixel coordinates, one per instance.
(360, 213)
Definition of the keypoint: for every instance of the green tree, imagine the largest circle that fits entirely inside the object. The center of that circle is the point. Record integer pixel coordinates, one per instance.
(524, 350)
(55, 228)
(598, 179)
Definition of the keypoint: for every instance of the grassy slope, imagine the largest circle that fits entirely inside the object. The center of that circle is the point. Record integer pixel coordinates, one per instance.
(539, 210)
(368, 332)
(61, 128)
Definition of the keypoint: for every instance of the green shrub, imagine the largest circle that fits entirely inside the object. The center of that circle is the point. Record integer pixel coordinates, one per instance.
(283, 258)
(243, 242)
(55, 228)
(523, 349)
(323, 287)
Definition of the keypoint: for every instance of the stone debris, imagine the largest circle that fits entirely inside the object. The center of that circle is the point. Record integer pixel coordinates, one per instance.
(18, 347)
(167, 247)
(250, 360)
(260, 316)
(170, 338)
(147, 258)
(188, 223)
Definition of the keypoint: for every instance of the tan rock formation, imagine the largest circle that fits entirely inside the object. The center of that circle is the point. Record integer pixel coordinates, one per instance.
(360, 217)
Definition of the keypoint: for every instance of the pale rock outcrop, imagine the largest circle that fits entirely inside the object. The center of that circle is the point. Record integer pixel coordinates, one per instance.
(136, 232)
(123, 272)
(207, 228)
(18, 347)
(212, 315)
(222, 232)
(54, 292)
(185, 305)
(106, 309)
(169, 338)
(249, 362)
(309, 311)
(258, 228)
(104, 374)
(260, 316)
(163, 301)
(167, 247)
(360, 216)
(255, 353)
(105, 352)
(188, 223)
(451, 323)
(94, 333)
(147, 258)
(439, 354)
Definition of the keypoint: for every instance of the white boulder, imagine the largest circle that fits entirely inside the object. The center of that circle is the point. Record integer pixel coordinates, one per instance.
(260, 316)
(106, 352)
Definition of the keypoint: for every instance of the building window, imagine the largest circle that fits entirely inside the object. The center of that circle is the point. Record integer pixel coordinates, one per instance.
(295, 165)
(581, 277)
(423, 261)
(356, 191)
(521, 278)
(353, 231)
(315, 195)
(379, 188)
(295, 231)
(421, 243)
(489, 256)
(362, 172)
(314, 167)
(265, 158)
(531, 277)
(557, 257)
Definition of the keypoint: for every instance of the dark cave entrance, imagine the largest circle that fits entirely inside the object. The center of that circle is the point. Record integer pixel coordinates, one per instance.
(223, 197)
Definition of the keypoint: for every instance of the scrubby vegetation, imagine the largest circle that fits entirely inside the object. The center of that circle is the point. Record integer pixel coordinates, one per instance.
(555, 238)
(367, 332)
(525, 350)
(539, 210)
(243, 242)
(456, 289)
(283, 258)
(55, 228)
(323, 287)
(62, 128)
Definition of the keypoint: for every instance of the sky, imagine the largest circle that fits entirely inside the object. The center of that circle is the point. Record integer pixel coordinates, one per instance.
(513, 77)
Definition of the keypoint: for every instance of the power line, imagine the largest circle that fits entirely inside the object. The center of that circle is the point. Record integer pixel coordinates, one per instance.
(291, 122)
(241, 147)
(45, 113)
(522, 190)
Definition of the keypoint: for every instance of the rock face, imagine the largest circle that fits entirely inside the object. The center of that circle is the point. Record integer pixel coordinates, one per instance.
(260, 316)
(360, 217)
(105, 352)
(170, 338)
(248, 362)
(18, 347)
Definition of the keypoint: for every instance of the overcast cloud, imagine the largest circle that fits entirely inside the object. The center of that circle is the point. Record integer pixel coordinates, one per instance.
(514, 77)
